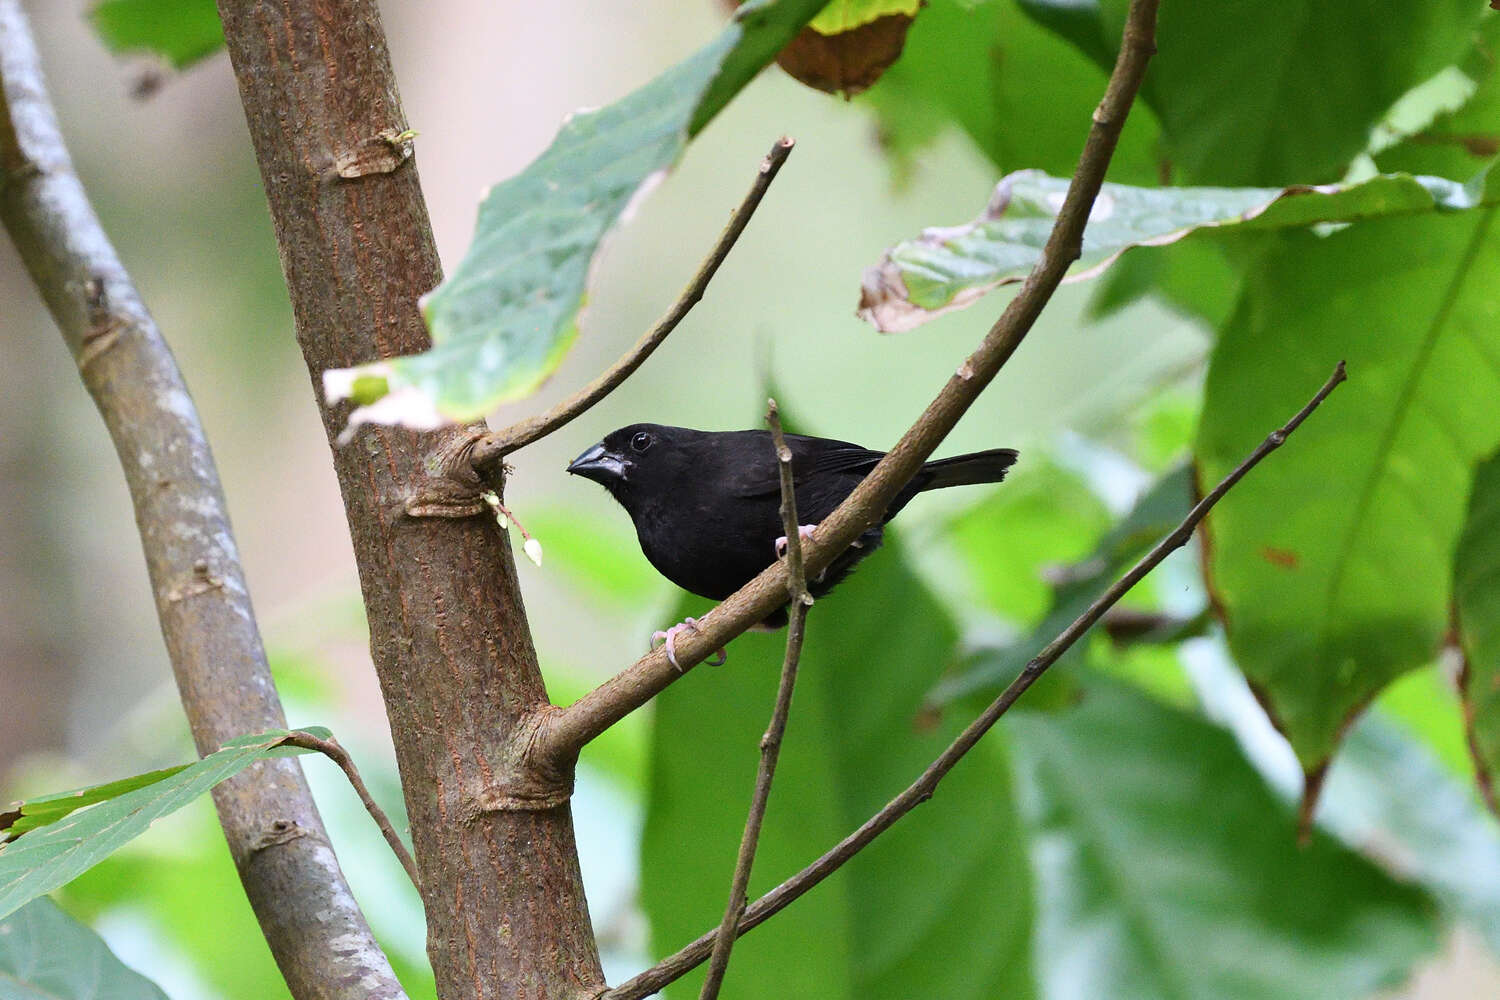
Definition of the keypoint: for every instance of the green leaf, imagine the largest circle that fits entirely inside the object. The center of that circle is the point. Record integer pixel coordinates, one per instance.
(1167, 868)
(1020, 93)
(1081, 22)
(179, 31)
(1332, 563)
(1157, 512)
(1284, 91)
(503, 320)
(951, 268)
(1476, 592)
(29, 814)
(47, 955)
(1457, 143)
(846, 15)
(939, 906)
(1192, 277)
(51, 855)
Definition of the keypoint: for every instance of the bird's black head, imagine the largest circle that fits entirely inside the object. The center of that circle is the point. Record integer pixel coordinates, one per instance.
(640, 460)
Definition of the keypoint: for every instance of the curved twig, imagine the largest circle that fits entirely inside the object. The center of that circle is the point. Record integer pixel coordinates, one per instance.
(491, 449)
(919, 791)
(334, 751)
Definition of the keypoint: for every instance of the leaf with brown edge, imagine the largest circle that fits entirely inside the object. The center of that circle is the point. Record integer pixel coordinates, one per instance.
(1371, 495)
(946, 268)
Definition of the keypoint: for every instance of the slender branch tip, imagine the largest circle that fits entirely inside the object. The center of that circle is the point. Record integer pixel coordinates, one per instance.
(491, 449)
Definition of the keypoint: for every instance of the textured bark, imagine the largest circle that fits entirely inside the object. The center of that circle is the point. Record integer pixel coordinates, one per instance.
(310, 920)
(448, 633)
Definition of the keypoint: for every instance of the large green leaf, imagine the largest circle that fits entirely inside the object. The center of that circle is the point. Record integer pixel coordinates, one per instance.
(1332, 564)
(1020, 93)
(1156, 513)
(179, 31)
(951, 268)
(1476, 591)
(77, 839)
(1281, 91)
(939, 906)
(1167, 869)
(47, 955)
(505, 317)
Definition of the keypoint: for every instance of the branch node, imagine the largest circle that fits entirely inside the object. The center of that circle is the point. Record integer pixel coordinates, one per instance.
(201, 582)
(283, 831)
(532, 774)
(382, 153)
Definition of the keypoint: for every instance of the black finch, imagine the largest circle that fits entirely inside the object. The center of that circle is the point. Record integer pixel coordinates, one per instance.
(706, 504)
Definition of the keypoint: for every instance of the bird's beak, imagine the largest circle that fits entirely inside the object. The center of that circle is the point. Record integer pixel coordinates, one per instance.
(598, 464)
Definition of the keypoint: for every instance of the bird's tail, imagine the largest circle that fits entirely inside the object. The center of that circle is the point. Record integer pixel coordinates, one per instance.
(968, 470)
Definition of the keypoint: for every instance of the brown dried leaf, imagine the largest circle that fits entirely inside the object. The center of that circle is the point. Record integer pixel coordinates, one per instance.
(848, 62)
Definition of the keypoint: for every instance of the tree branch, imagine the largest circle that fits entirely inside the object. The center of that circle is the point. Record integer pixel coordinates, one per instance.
(310, 920)
(449, 638)
(489, 450)
(770, 743)
(677, 965)
(565, 732)
(334, 751)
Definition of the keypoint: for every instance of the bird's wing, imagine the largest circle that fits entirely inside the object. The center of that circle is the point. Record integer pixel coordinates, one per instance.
(811, 457)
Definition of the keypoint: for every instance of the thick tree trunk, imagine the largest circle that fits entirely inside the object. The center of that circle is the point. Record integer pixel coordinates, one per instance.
(448, 633)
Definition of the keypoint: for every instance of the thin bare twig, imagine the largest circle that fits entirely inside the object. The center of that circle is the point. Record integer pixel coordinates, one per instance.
(334, 751)
(315, 930)
(677, 965)
(563, 733)
(770, 743)
(489, 450)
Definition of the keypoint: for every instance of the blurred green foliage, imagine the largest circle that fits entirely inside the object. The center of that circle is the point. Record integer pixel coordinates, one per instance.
(180, 32)
(1169, 869)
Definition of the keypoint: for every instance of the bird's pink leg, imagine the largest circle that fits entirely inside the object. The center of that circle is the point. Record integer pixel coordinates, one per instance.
(670, 635)
(804, 531)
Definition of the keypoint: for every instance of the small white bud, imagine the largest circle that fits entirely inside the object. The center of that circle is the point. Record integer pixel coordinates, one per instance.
(533, 549)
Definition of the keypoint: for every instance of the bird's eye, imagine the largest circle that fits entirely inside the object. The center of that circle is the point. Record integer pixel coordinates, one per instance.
(641, 441)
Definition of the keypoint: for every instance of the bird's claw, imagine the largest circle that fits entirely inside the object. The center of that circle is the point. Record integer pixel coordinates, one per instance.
(670, 635)
(804, 532)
